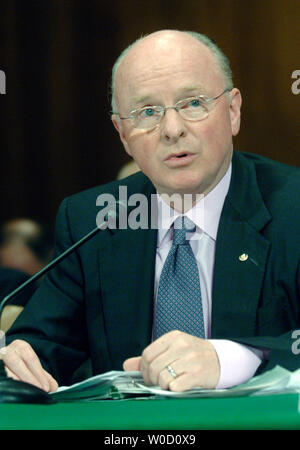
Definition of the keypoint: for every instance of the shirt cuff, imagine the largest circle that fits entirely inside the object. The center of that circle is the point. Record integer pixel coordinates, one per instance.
(238, 362)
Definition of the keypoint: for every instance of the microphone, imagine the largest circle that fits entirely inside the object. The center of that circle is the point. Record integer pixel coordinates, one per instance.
(14, 391)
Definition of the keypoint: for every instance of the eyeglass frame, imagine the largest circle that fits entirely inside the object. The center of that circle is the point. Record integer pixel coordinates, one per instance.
(165, 108)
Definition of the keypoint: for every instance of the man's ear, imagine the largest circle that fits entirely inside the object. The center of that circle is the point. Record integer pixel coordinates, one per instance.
(235, 111)
(120, 129)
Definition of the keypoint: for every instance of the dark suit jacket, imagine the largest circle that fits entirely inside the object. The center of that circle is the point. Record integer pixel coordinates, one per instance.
(99, 302)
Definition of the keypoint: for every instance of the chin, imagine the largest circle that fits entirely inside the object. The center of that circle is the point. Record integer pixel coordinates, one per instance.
(187, 184)
(181, 189)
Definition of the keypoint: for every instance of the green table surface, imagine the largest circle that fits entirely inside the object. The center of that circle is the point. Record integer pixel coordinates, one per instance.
(266, 412)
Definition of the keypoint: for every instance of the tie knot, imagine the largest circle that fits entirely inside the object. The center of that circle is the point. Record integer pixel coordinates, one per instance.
(182, 226)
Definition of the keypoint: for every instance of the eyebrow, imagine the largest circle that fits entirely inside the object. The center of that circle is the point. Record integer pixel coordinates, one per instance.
(183, 92)
(193, 88)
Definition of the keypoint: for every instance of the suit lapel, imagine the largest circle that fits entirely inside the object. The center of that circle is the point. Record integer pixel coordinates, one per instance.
(127, 269)
(241, 255)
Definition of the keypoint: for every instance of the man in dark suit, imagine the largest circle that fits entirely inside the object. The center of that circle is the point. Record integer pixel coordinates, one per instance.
(176, 111)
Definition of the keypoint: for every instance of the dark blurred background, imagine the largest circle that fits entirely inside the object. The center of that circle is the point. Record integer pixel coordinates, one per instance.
(56, 134)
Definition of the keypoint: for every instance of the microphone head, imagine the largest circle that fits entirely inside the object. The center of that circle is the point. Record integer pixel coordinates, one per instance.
(115, 211)
(109, 216)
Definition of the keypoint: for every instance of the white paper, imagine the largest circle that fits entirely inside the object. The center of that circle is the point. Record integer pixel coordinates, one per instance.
(119, 384)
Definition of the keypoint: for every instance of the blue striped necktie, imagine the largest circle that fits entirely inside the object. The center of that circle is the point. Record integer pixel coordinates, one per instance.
(179, 303)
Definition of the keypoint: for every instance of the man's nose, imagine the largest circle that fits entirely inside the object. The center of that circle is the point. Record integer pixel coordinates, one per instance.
(172, 126)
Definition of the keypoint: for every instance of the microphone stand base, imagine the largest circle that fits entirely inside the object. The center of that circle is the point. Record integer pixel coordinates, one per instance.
(13, 391)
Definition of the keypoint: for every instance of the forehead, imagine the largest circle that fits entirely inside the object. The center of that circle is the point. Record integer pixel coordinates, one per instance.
(165, 64)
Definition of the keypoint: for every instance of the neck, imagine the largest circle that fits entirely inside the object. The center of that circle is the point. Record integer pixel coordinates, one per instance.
(181, 202)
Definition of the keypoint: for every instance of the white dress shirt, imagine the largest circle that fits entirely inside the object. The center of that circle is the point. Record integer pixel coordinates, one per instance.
(238, 362)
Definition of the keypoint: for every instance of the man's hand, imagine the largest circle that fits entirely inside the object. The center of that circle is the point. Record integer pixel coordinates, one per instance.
(194, 361)
(21, 363)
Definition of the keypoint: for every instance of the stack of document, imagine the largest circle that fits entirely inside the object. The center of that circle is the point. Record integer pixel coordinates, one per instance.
(121, 385)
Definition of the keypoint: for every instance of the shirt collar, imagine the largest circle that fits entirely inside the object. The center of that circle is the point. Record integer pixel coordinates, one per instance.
(205, 213)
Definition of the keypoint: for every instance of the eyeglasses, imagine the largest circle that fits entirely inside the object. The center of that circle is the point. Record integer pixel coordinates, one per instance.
(192, 109)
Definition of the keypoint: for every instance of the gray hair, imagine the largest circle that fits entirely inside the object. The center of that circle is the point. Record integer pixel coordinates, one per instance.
(221, 59)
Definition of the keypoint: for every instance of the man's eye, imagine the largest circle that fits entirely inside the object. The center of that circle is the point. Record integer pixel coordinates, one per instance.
(147, 112)
(195, 103)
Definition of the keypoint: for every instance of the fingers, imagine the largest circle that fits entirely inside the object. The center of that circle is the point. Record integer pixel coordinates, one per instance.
(154, 357)
(22, 364)
(53, 385)
(161, 353)
(166, 379)
(193, 360)
(132, 363)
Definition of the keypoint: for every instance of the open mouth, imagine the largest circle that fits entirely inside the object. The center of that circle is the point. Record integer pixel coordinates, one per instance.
(179, 159)
(178, 156)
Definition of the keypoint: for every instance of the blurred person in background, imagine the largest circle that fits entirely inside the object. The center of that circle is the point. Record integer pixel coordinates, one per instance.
(25, 245)
(25, 248)
(10, 279)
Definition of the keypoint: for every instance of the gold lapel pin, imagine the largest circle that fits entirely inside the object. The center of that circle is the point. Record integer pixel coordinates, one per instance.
(243, 257)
